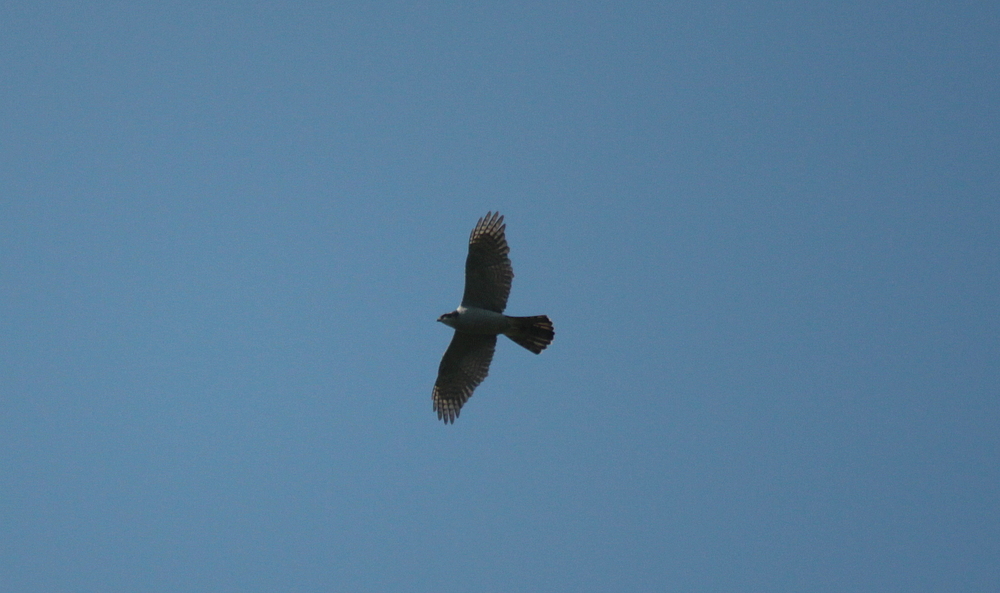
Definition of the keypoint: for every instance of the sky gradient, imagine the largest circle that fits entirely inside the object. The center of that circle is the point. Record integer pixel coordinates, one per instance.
(766, 233)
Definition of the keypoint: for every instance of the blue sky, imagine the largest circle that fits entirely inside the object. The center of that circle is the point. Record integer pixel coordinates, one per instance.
(767, 234)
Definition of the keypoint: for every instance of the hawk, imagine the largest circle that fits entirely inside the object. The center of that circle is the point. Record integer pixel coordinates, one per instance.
(480, 319)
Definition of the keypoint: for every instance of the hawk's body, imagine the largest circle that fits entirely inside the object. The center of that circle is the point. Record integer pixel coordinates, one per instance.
(480, 319)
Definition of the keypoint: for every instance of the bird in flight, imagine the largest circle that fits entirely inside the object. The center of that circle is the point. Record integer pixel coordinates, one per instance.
(480, 319)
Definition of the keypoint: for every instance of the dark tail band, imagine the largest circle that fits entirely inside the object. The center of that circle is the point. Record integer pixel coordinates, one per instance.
(534, 333)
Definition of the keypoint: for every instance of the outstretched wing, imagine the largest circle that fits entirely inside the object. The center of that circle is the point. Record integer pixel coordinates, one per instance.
(488, 272)
(464, 366)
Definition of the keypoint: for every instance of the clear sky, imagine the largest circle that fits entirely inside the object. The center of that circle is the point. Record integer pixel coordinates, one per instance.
(767, 234)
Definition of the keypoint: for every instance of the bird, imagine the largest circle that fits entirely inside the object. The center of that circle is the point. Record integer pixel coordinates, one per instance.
(479, 320)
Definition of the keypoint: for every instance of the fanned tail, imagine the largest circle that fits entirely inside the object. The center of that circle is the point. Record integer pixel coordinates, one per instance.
(534, 333)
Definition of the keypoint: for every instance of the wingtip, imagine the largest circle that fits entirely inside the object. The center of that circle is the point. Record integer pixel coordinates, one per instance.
(492, 217)
(447, 415)
(492, 223)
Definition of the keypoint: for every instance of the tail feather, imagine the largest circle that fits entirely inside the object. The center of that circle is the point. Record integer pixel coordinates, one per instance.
(534, 333)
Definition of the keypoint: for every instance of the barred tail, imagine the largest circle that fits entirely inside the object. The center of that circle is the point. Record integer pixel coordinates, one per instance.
(534, 333)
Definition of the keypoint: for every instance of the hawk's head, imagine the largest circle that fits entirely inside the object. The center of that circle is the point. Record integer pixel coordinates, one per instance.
(449, 318)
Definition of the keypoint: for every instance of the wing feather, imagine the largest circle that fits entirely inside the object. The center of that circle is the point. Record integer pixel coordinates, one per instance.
(488, 273)
(464, 366)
